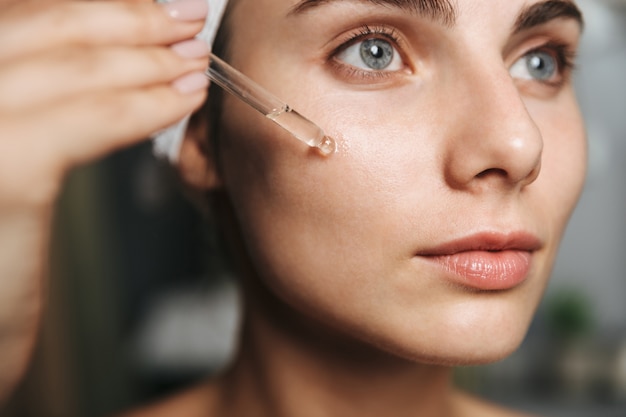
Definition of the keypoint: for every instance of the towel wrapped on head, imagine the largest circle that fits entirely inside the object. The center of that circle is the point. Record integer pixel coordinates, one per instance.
(168, 141)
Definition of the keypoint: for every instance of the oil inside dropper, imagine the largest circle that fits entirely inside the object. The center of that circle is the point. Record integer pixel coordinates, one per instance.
(303, 129)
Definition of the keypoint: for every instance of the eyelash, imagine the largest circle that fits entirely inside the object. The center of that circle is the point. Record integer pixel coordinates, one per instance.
(361, 34)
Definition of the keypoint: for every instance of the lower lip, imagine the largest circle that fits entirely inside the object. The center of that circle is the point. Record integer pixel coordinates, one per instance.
(486, 271)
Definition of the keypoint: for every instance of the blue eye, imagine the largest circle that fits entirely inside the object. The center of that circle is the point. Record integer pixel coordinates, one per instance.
(536, 65)
(374, 54)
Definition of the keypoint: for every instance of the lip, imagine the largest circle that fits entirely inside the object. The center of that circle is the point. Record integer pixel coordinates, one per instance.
(486, 261)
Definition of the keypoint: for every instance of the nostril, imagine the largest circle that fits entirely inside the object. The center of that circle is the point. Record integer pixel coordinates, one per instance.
(525, 179)
(496, 172)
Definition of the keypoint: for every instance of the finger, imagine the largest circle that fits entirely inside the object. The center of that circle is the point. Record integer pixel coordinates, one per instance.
(24, 31)
(61, 74)
(83, 129)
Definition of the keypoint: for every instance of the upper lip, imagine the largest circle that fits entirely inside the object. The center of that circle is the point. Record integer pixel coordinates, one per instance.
(487, 242)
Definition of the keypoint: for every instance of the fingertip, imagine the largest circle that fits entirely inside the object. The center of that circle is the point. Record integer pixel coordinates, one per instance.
(191, 48)
(191, 83)
(186, 10)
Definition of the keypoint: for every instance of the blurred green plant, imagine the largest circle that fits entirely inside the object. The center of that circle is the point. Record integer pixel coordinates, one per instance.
(569, 314)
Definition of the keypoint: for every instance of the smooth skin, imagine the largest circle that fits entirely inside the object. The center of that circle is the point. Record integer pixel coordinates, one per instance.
(71, 91)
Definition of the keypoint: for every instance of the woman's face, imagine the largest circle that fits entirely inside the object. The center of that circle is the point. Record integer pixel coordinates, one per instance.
(432, 231)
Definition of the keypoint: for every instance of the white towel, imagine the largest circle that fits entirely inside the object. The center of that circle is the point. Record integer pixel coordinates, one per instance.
(168, 141)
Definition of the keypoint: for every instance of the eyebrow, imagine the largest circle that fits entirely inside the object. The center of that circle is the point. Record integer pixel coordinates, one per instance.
(439, 10)
(546, 11)
(444, 11)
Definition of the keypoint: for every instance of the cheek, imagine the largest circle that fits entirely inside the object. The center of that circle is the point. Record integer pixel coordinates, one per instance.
(316, 227)
(283, 188)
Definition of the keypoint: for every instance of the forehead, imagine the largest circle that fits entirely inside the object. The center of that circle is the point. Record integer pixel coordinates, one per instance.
(431, 8)
(525, 13)
(512, 16)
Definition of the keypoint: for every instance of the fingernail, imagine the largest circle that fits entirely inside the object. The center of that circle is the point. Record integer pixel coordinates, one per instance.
(190, 83)
(193, 48)
(187, 9)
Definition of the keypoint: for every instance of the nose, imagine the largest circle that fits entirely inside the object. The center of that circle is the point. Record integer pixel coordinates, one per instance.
(494, 142)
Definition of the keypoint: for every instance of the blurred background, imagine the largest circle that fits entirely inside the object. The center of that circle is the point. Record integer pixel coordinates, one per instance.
(141, 302)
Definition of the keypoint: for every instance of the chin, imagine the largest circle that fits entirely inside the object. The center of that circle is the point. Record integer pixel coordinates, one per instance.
(488, 335)
(461, 352)
(482, 354)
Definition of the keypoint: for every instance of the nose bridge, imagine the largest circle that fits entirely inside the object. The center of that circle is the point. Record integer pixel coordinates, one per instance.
(496, 140)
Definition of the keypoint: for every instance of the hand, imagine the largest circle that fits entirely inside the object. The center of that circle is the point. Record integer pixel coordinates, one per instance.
(78, 79)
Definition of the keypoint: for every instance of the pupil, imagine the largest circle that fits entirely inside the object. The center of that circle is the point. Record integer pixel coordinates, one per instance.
(376, 51)
(537, 63)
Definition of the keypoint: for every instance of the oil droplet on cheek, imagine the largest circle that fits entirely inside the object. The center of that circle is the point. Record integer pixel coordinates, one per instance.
(340, 144)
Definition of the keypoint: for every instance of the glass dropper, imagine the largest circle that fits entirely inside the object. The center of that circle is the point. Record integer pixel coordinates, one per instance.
(267, 104)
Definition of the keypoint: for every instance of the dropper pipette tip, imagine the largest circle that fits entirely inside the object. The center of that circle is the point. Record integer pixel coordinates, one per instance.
(327, 146)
